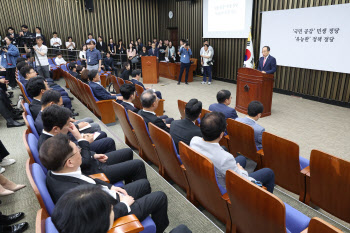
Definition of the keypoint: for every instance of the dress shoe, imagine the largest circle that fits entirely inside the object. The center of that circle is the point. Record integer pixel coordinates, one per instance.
(186, 83)
(71, 98)
(11, 219)
(12, 123)
(178, 83)
(17, 228)
(10, 94)
(75, 114)
(18, 117)
(2, 170)
(5, 192)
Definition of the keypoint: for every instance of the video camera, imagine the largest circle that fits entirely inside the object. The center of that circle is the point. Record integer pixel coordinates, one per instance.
(30, 41)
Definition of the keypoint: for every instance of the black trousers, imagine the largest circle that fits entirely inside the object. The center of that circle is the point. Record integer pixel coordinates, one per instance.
(11, 76)
(103, 144)
(182, 67)
(5, 106)
(147, 203)
(71, 55)
(121, 166)
(3, 153)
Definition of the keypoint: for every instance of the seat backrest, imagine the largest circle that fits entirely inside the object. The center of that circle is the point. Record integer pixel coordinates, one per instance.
(139, 90)
(202, 182)
(120, 81)
(33, 146)
(49, 226)
(252, 208)
(145, 142)
(119, 110)
(182, 106)
(92, 99)
(25, 141)
(37, 179)
(204, 111)
(128, 82)
(26, 108)
(282, 156)
(242, 140)
(167, 155)
(64, 67)
(24, 92)
(318, 225)
(32, 126)
(115, 84)
(330, 184)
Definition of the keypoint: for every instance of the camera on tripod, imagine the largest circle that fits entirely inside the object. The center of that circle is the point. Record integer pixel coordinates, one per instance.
(30, 41)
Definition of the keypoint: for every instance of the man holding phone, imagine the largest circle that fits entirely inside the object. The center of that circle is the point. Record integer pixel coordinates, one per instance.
(185, 53)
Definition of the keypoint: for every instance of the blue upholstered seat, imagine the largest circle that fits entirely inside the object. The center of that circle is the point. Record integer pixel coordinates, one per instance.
(33, 146)
(32, 126)
(295, 220)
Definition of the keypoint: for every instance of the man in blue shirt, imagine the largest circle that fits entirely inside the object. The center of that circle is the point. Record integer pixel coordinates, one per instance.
(93, 57)
(9, 56)
(185, 53)
(90, 39)
(224, 100)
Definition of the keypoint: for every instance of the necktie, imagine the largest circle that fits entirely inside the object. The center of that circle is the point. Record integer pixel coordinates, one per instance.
(264, 61)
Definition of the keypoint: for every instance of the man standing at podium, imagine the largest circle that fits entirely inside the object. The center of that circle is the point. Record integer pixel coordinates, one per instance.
(267, 63)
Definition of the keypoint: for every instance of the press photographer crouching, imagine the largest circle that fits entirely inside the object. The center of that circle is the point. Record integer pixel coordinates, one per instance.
(9, 54)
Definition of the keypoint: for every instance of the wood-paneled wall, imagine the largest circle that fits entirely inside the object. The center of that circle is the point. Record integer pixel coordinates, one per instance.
(229, 53)
(118, 19)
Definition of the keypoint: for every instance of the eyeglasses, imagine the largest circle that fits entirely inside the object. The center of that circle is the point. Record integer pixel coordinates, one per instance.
(79, 150)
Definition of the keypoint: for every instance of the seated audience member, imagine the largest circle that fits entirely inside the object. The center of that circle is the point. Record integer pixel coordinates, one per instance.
(51, 97)
(59, 60)
(213, 126)
(6, 110)
(224, 100)
(84, 76)
(27, 72)
(73, 69)
(99, 91)
(63, 159)
(136, 75)
(125, 72)
(184, 130)
(79, 70)
(153, 51)
(149, 103)
(255, 109)
(99, 142)
(36, 87)
(128, 92)
(109, 63)
(117, 165)
(143, 52)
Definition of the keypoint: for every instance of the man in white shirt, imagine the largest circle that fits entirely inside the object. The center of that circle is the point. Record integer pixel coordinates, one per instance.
(42, 63)
(210, 49)
(213, 126)
(55, 42)
(59, 60)
(63, 159)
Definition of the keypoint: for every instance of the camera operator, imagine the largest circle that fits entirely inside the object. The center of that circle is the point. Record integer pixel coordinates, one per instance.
(9, 54)
(207, 63)
(11, 34)
(23, 34)
(185, 54)
(42, 63)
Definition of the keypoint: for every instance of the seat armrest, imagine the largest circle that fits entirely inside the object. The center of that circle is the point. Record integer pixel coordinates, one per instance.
(100, 176)
(225, 197)
(305, 231)
(183, 167)
(260, 152)
(127, 224)
(306, 171)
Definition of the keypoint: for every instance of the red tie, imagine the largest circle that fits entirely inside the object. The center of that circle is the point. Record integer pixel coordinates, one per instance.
(264, 61)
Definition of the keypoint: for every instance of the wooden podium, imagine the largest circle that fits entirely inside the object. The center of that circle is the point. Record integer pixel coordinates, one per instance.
(254, 85)
(150, 69)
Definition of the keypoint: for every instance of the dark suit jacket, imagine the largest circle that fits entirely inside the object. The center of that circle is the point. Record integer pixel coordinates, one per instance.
(183, 131)
(149, 117)
(35, 108)
(39, 123)
(153, 53)
(270, 66)
(134, 81)
(58, 185)
(226, 110)
(3, 151)
(101, 48)
(129, 107)
(100, 92)
(108, 62)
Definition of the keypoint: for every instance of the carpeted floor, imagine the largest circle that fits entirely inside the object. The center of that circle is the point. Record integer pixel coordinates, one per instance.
(310, 124)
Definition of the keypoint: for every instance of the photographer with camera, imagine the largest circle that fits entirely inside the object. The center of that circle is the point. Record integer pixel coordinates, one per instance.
(185, 54)
(11, 34)
(9, 54)
(207, 64)
(23, 35)
(42, 63)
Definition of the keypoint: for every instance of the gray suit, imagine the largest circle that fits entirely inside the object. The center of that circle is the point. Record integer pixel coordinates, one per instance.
(258, 130)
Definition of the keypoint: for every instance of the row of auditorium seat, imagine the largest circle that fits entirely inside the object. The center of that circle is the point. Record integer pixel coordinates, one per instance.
(36, 174)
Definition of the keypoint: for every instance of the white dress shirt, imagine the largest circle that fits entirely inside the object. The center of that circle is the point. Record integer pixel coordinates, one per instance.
(43, 59)
(60, 61)
(70, 47)
(54, 40)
